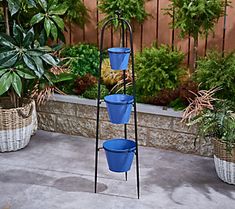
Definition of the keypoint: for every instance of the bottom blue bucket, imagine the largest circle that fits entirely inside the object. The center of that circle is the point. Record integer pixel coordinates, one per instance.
(119, 154)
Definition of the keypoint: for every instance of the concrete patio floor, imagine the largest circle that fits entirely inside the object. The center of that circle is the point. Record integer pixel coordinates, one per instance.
(56, 171)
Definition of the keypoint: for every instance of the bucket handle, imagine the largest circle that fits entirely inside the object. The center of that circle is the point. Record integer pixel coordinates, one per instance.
(23, 115)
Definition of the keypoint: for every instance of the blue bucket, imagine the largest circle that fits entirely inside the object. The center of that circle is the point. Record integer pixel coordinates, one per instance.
(119, 154)
(119, 58)
(119, 107)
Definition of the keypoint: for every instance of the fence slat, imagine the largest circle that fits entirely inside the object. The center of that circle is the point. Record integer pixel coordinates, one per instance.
(156, 29)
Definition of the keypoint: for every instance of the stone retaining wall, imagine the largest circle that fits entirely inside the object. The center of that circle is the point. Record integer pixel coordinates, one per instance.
(156, 127)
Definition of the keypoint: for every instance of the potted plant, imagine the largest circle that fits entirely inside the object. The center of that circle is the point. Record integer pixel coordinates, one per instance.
(24, 63)
(215, 119)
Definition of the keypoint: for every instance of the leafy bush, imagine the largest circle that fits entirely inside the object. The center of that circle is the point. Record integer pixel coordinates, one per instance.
(195, 17)
(81, 84)
(83, 59)
(215, 70)
(132, 9)
(77, 11)
(176, 98)
(158, 69)
(92, 92)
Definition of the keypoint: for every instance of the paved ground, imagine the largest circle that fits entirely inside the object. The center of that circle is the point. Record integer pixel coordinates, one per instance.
(56, 171)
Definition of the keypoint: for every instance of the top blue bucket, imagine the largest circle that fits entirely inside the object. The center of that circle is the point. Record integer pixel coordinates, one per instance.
(119, 58)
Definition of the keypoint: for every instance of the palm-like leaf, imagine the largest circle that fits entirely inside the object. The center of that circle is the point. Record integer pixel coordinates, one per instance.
(50, 17)
(22, 58)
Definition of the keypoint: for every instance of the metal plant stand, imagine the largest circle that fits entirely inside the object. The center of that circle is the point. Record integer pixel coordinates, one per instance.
(124, 25)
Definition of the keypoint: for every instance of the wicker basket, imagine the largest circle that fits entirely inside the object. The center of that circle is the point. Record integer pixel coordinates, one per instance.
(34, 118)
(16, 125)
(224, 162)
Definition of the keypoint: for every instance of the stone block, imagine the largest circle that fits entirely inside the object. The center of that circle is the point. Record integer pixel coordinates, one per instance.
(142, 134)
(76, 126)
(179, 126)
(168, 139)
(204, 146)
(109, 130)
(61, 108)
(154, 121)
(46, 121)
(86, 111)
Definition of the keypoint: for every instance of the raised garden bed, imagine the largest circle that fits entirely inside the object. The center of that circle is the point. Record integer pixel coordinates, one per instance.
(157, 126)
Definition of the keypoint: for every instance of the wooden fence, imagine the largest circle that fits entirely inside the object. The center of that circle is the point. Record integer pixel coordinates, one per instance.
(156, 29)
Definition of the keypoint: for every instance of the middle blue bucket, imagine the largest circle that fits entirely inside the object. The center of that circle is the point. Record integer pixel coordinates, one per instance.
(119, 58)
(119, 107)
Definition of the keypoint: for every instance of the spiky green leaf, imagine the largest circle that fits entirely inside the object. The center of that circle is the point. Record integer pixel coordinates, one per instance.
(49, 59)
(58, 9)
(43, 4)
(6, 40)
(37, 18)
(54, 30)
(16, 83)
(29, 38)
(9, 62)
(59, 21)
(5, 82)
(14, 6)
(47, 26)
(26, 74)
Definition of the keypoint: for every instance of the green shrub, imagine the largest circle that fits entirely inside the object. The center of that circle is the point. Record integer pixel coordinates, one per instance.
(92, 92)
(215, 70)
(83, 59)
(132, 9)
(77, 12)
(195, 18)
(157, 69)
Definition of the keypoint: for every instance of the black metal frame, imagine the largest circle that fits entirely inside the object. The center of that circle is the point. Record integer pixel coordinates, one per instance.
(128, 26)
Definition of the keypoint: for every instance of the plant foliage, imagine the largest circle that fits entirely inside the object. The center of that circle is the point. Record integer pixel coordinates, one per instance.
(50, 15)
(16, 6)
(46, 16)
(81, 84)
(131, 10)
(195, 16)
(82, 59)
(214, 117)
(76, 12)
(91, 93)
(22, 58)
(157, 69)
(215, 70)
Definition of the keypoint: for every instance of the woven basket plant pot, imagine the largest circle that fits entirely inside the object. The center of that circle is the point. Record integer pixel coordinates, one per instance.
(34, 118)
(16, 125)
(224, 162)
